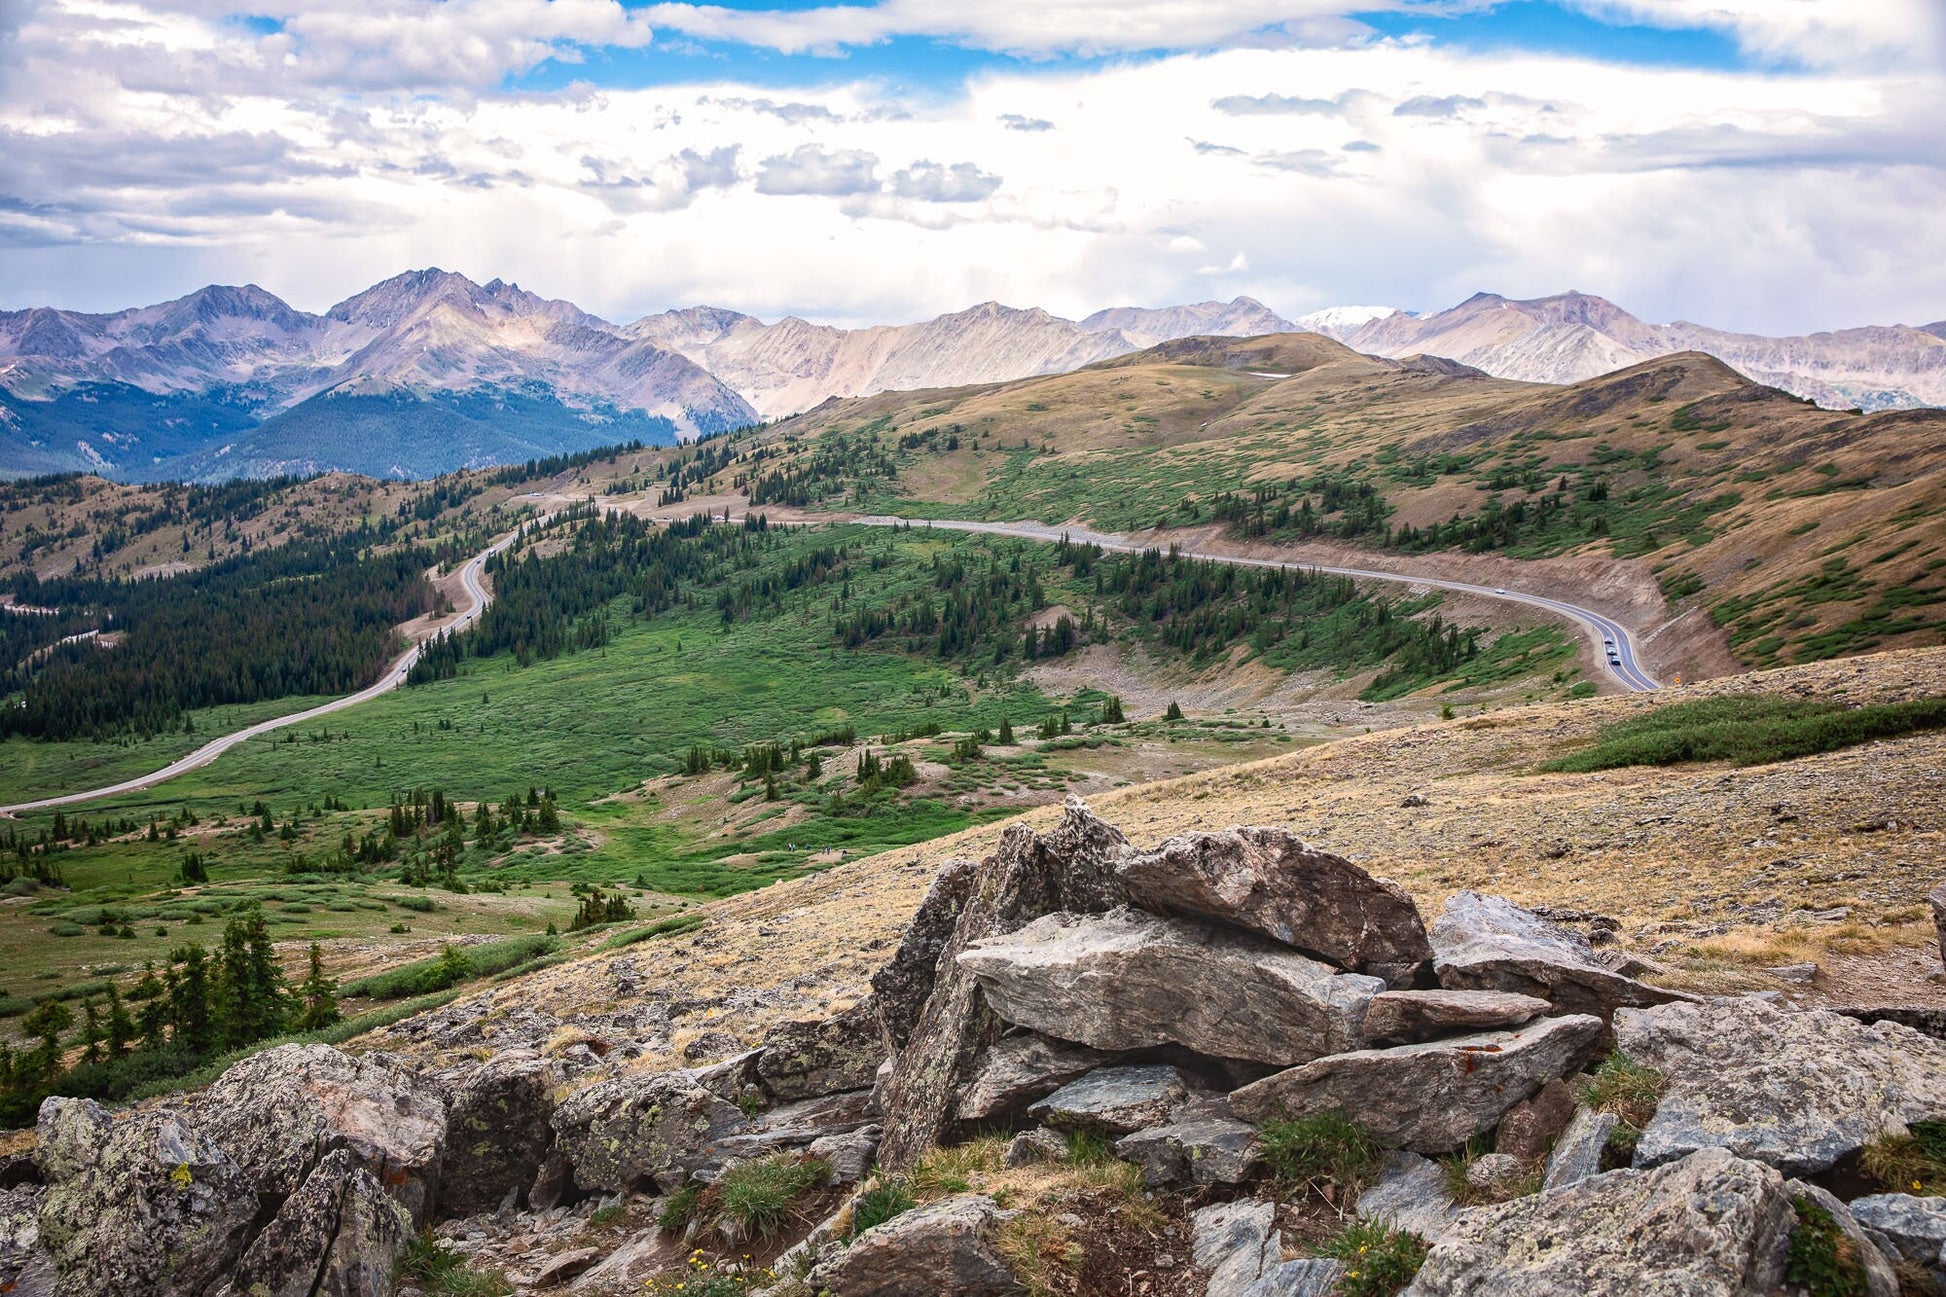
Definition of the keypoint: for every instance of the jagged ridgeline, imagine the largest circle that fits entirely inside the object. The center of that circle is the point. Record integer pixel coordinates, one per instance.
(979, 605)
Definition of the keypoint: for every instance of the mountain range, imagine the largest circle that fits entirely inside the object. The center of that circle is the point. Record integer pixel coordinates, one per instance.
(429, 371)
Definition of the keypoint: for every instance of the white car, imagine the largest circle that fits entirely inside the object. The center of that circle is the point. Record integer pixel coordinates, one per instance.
(1500, 590)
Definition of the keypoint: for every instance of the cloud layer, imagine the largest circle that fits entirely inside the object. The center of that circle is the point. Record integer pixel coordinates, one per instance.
(1270, 147)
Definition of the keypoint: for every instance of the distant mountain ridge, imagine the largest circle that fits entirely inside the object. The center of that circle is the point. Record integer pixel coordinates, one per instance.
(1575, 336)
(429, 371)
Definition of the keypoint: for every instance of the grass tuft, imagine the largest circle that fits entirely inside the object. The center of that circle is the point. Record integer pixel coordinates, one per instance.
(760, 1195)
(1329, 1148)
(1822, 1260)
(1379, 1259)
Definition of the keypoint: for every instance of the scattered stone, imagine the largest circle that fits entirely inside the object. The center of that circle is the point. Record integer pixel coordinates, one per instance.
(1204, 1150)
(339, 1235)
(1477, 1078)
(1071, 870)
(1799, 974)
(1837, 914)
(1272, 883)
(620, 1135)
(1531, 1126)
(1031, 1147)
(1577, 1154)
(279, 1112)
(795, 1125)
(1914, 1227)
(1485, 943)
(563, 1266)
(1018, 1069)
(1415, 800)
(804, 1060)
(1496, 1174)
(499, 1128)
(1403, 1016)
(1115, 1100)
(711, 1046)
(1925, 1019)
(1236, 1242)
(850, 1155)
(1126, 980)
(946, 1246)
(1795, 1089)
(1711, 1225)
(149, 1204)
(900, 989)
(1410, 1194)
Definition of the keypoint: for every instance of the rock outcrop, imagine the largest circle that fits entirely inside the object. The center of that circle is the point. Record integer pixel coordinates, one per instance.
(499, 1129)
(1270, 882)
(633, 1132)
(1798, 1090)
(947, 1247)
(339, 1235)
(1476, 1079)
(1126, 980)
(1485, 943)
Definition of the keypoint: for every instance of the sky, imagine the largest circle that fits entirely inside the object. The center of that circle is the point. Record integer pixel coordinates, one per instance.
(1777, 166)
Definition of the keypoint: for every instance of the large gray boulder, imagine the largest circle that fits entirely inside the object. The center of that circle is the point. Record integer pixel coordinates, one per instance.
(148, 1204)
(1070, 870)
(950, 1246)
(1711, 1225)
(1126, 980)
(1429, 1097)
(1018, 1069)
(279, 1112)
(812, 1058)
(339, 1235)
(1410, 1194)
(1486, 943)
(1115, 1101)
(901, 988)
(1404, 1016)
(1914, 1227)
(1201, 1147)
(499, 1128)
(1797, 1089)
(624, 1134)
(1270, 882)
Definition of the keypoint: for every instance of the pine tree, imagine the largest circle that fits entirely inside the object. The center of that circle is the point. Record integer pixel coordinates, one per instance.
(1006, 732)
(1174, 713)
(250, 993)
(121, 1030)
(91, 1033)
(318, 994)
(191, 1023)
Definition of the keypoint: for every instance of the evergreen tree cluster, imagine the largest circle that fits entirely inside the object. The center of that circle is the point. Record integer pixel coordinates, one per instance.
(840, 463)
(1332, 504)
(310, 618)
(202, 1004)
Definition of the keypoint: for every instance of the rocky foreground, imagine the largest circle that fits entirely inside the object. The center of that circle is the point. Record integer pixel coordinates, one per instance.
(1087, 1068)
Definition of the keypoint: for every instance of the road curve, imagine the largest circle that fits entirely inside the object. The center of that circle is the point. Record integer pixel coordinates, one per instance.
(1604, 633)
(394, 676)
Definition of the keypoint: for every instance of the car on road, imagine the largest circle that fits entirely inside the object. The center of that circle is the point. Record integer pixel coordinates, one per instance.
(1500, 589)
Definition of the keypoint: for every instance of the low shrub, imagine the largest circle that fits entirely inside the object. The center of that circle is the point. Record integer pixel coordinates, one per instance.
(880, 1202)
(1329, 1148)
(1748, 729)
(760, 1195)
(1822, 1258)
(451, 967)
(1379, 1260)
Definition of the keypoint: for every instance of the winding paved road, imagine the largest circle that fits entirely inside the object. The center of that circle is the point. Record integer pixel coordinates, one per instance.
(470, 585)
(1611, 640)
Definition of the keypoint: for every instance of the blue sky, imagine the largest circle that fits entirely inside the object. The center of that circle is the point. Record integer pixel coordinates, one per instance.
(1749, 163)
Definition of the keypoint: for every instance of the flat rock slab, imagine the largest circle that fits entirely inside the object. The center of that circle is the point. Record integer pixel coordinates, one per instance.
(1711, 1225)
(1016, 1070)
(1272, 883)
(1410, 1194)
(945, 1247)
(1485, 943)
(1115, 1100)
(1202, 1150)
(1914, 1226)
(1126, 980)
(1577, 1154)
(1796, 1089)
(1429, 1097)
(1236, 1242)
(1405, 1016)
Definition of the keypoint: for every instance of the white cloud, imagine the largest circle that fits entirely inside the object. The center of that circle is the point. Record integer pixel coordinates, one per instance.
(809, 169)
(963, 182)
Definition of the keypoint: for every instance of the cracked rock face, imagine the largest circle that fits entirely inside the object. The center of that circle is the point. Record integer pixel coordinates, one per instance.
(1429, 1097)
(944, 1247)
(1797, 1090)
(339, 1235)
(148, 1204)
(803, 1060)
(1272, 883)
(280, 1112)
(1485, 943)
(1115, 1101)
(1711, 1225)
(620, 1135)
(1127, 980)
(498, 1130)
(1018, 1069)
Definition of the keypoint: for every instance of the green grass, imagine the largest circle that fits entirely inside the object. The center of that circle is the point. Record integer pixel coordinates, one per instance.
(1822, 1259)
(1748, 730)
(1328, 1148)
(1379, 1260)
(429, 975)
(880, 1202)
(760, 1195)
